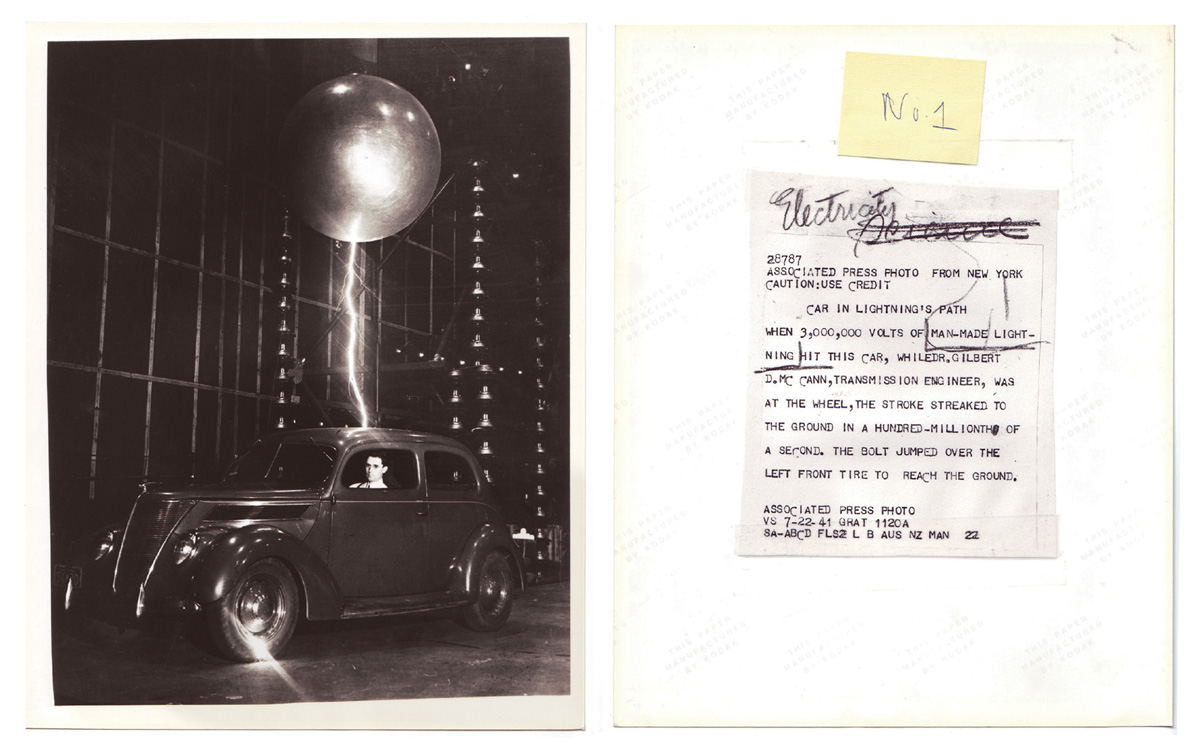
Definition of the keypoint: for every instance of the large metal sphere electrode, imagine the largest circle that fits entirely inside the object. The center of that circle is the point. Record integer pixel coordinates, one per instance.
(361, 158)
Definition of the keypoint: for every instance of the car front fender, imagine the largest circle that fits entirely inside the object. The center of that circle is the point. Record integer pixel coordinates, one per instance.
(229, 557)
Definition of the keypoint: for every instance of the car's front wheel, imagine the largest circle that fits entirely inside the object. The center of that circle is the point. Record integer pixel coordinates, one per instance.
(490, 610)
(255, 619)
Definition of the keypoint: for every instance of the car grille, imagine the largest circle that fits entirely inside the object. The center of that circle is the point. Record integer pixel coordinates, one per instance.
(148, 527)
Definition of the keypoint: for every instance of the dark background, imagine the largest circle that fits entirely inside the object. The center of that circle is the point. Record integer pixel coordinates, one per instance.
(166, 253)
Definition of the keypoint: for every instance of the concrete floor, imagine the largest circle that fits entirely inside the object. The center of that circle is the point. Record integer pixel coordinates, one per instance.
(427, 656)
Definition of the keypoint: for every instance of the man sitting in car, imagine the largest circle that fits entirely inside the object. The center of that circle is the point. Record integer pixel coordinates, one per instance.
(375, 471)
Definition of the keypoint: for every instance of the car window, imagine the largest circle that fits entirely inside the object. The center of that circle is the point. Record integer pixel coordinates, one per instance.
(449, 471)
(287, 465)
(399, 469)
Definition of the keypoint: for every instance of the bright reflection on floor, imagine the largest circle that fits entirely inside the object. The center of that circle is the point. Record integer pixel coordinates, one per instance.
(265, 660)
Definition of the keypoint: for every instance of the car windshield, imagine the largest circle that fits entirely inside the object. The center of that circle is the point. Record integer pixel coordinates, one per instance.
(284, 464)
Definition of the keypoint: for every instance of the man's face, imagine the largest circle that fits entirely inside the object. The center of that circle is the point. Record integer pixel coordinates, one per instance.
(375, 469)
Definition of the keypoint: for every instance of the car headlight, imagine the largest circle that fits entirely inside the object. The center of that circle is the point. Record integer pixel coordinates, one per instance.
(193, 542)
(105, 544)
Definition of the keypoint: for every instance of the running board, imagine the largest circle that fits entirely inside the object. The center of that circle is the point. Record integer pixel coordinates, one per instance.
(369, 607)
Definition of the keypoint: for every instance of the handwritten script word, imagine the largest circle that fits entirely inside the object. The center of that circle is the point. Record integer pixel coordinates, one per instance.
(889, 108)
(874, 231)
(798, 213)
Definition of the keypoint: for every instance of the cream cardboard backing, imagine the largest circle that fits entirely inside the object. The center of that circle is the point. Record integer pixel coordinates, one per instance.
(705, 637)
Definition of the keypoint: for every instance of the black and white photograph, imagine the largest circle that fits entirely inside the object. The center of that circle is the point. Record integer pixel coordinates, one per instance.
(309, 370)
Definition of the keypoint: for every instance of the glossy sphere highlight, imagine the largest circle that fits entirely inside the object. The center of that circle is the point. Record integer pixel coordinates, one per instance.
(360, 157)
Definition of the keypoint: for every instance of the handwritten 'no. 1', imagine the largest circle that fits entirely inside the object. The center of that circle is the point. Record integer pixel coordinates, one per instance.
(890, 108)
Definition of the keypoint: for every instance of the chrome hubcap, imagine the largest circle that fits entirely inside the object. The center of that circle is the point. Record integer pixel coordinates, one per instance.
(258, 606)
(494, 590)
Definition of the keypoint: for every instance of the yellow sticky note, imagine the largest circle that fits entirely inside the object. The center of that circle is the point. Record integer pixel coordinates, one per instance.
(905, 107)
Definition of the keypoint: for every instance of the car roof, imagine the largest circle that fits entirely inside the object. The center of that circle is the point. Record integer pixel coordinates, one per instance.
(348, 437)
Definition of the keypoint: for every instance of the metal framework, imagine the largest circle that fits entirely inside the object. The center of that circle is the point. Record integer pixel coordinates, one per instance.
(226, 272)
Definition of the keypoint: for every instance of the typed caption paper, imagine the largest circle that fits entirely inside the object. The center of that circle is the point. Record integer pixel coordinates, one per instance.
(899, 396)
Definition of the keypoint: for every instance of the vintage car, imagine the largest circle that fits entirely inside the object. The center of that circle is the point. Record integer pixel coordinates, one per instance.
(324, 523)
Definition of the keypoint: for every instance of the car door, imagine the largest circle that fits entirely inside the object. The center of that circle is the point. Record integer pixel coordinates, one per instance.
(378, 537)
(455, 512)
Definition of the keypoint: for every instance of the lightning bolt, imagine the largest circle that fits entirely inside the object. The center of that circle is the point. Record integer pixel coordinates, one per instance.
(352, 344)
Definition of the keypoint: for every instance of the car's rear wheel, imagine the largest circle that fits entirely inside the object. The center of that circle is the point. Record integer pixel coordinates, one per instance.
(255, 619)
(490, 610)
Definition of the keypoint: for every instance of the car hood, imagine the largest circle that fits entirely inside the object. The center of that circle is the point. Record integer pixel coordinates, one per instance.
(258, 492)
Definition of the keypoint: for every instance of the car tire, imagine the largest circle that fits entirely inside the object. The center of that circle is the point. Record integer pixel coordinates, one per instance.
(497, 584)
(254, 620)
